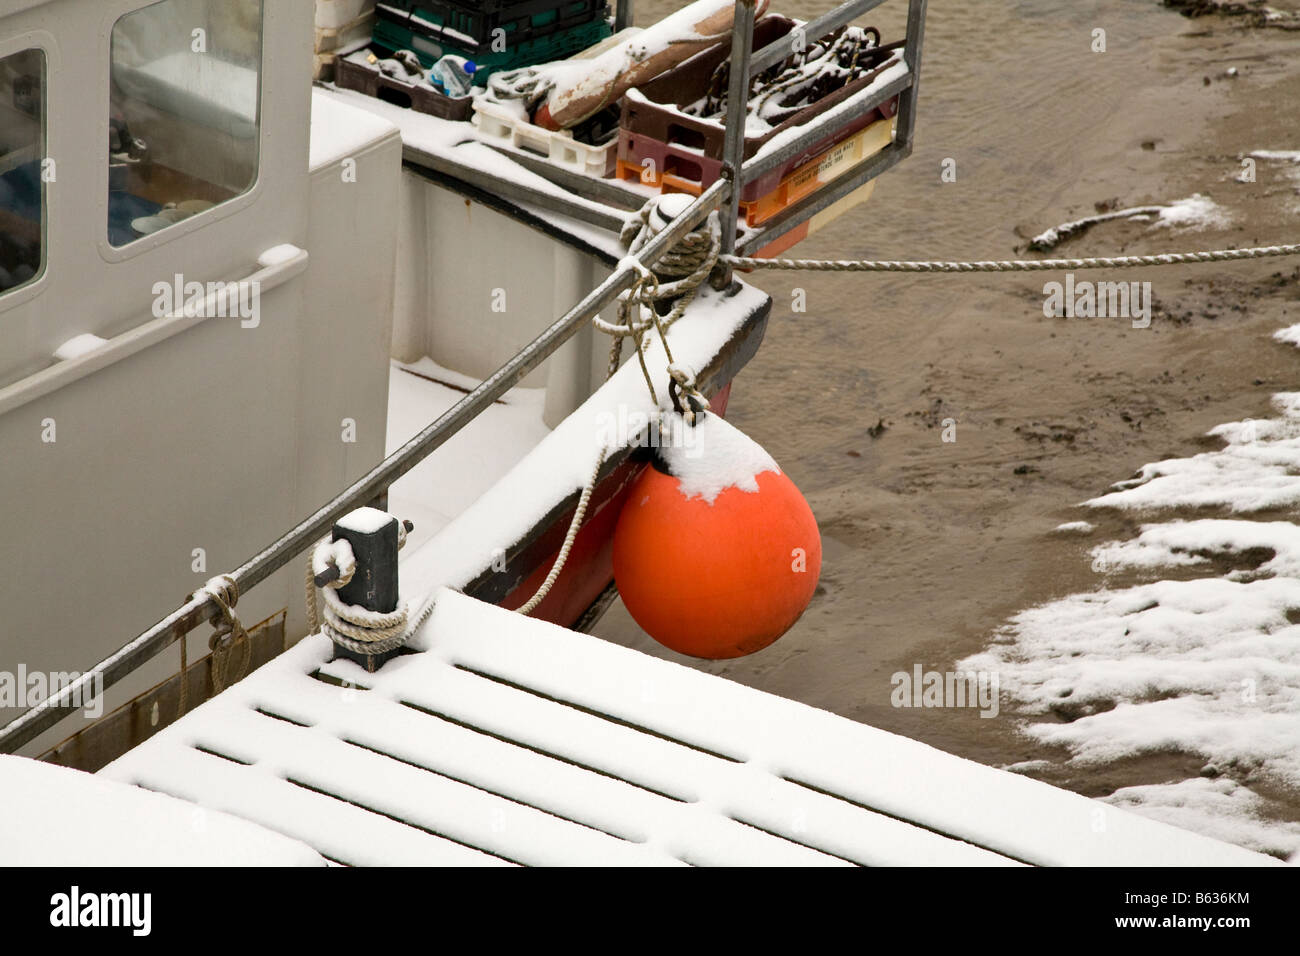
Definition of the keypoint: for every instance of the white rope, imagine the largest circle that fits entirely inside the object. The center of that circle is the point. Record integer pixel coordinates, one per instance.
(574, 525)
(1011, 265)
(356, 628)
(223, 591)
(677, 277)
(686, 265)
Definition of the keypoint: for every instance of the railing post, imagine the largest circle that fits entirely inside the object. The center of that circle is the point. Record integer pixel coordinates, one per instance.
(742, 44)
(374, 582)
(623, 14)
(912, 54)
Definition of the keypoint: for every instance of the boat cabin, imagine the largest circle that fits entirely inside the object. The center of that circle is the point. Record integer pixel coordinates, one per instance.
(190, 307)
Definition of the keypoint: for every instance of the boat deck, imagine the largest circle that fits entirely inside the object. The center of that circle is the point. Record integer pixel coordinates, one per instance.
(453, 477)
(503, 739)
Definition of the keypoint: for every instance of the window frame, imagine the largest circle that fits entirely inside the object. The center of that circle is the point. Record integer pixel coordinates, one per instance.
(186, 227)
(42, 41)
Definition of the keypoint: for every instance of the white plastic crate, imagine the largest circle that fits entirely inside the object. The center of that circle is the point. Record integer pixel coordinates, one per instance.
(350, 35)
(332, 14)
(499, 123)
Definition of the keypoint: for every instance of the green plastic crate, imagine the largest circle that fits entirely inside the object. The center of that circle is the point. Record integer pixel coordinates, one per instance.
(538, 36)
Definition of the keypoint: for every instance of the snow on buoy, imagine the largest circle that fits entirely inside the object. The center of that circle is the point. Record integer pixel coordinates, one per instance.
(716, 553)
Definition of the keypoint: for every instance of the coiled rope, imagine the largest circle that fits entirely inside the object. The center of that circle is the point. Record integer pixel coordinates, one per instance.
(1011, 265)
(356, 628)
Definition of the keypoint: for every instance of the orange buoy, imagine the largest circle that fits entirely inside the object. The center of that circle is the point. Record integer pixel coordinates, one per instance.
(716, 553)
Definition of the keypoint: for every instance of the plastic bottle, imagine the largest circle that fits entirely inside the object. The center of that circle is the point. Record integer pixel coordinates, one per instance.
(453, 75)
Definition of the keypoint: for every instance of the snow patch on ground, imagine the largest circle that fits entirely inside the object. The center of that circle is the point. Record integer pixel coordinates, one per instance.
(1195, 212)
(1258, 469)
(1075, 527)
(1190, 542)
(1207, 668)
(1218, 808)
(1289, 160)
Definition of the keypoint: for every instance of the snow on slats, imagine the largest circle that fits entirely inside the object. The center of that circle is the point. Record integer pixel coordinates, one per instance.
(336, 830)
(510, 740)
(672, 776)
(1015, 816)
(448, 807)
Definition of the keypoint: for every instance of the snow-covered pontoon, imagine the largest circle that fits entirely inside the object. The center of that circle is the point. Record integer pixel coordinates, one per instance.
(215, 329)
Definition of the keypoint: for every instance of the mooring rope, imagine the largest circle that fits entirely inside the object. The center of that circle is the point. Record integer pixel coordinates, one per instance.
(355, 628)
(223, 590)
(1011, 265)
(570, 536)
(686, 265)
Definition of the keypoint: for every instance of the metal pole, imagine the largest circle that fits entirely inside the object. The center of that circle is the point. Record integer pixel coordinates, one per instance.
(624, 14)
(912, 54)
(742, 42)
(270, 559)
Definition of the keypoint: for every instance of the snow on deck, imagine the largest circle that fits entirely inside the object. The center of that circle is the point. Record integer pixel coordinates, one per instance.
(57, 816)
(454, 476)
(504, 739)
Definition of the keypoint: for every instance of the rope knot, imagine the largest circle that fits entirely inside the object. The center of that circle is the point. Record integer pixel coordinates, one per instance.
(362, 631)
(662, 293)
(223, 590)
(682, 383)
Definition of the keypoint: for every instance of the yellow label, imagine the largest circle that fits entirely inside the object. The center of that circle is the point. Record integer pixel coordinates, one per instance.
(837, 161)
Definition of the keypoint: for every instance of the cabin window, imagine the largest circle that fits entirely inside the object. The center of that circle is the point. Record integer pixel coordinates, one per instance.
(23, 171)
(184, 112)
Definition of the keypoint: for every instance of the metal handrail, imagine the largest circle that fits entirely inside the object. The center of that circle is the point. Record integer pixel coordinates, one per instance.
(201, 607)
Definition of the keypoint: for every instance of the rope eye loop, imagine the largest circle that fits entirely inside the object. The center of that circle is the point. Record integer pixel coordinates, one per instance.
(681, 385)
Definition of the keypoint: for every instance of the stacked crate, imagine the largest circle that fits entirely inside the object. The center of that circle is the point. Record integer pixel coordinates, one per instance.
(341, 26)
(663, 146)
(495, 34)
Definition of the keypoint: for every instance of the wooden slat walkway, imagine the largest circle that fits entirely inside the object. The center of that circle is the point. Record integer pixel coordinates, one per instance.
(507, 740)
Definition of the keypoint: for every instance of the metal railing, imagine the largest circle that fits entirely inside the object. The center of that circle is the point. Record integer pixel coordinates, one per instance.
(201, 608)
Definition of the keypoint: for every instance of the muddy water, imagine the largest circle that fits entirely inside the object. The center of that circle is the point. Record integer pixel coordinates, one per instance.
(931, 545)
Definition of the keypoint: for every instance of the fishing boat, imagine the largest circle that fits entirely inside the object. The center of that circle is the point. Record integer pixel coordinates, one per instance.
(374, 309)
